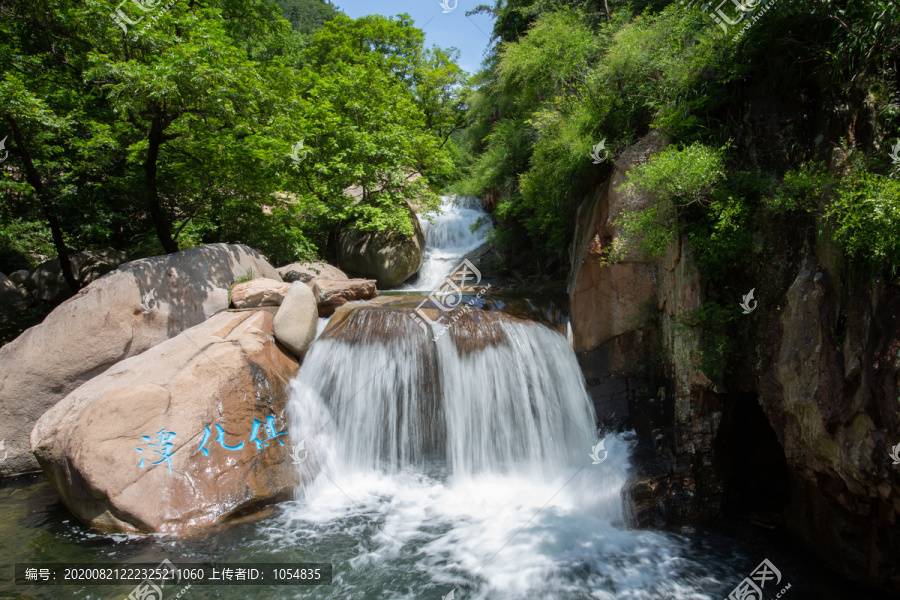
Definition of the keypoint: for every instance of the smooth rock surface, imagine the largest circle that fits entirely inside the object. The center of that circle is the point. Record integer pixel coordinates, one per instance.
(122, 314)
(331, 294)
(225, 375)
(607, 299)
(310, 272)
(389, 257)
(259, 292)
(296, 320)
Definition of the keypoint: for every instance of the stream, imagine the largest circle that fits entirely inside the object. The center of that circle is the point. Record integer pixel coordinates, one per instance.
(459, 466)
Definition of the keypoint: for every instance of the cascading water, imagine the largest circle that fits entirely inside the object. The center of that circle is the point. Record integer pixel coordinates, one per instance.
(449, 236)
(463, 462)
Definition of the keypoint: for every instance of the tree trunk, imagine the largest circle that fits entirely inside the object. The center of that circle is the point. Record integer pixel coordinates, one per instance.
(34, 179)
(61, 250)
(157, 213)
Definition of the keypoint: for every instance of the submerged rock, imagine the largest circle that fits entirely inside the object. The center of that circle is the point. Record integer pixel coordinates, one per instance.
(296, 320)
(185, 435)
(122, 314)
(259, 292)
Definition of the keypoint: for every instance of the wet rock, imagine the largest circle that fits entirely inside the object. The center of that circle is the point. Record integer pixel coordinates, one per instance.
(122, 314)
(188, 434)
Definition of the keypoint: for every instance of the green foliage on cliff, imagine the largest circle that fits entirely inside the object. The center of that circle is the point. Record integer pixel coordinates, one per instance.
(566, 74)
(859, 212)
(675, 179)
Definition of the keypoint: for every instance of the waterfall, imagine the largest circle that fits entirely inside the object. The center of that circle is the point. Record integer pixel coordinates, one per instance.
(448, 237)
(497, 396)
(461, 460)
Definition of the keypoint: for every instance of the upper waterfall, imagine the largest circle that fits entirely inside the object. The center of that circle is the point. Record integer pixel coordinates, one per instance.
(448, 237)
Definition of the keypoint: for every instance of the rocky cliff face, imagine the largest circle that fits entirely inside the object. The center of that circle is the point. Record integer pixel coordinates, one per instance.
(801, 430)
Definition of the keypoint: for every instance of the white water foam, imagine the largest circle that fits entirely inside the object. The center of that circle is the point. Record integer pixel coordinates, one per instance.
(443, 468)
(449, 237)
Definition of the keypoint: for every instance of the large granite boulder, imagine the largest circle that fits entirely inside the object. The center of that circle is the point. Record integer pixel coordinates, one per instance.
(331, 294)
(389, 257)
(185, 435)
(122, 314)
(297, 319)
(12, 298)
(310, 272)
(259, 292)
(48, 286)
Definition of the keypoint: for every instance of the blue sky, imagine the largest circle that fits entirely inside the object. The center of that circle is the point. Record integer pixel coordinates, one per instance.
(444, 30)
